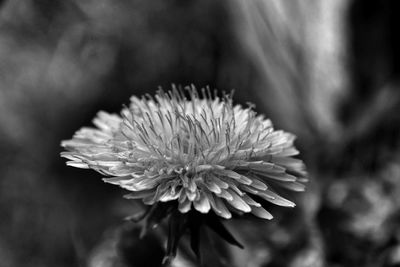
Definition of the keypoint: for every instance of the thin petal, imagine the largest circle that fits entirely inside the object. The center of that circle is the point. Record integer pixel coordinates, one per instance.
(284, 177)
(225, 194)
(250, 201)
(289, 162)
(212, 186)
(238, 203)
(118, 180)
(78, 164)
(221, 207)
(275, 198)
(261, 213)
(203, 204)
(139, 194)
(257, 184)
(294, 186)
(185, 205)
(234, 175)
(249, 189)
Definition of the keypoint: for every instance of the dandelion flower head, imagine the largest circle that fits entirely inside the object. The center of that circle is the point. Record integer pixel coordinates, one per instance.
(202, 153)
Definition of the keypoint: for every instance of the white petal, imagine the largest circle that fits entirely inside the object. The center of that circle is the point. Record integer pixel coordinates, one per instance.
(168, 196)
(139, 194)
(221, 207)
(261, 166)
(219, 182)
(185, 206)
(238, 203)
(291, 151)
(225, 194)
(284, 177)
(249, 189)
(288, 162)
(203, 204)
(234, 175)
(118, 180)
(78, 164)
(261, 212)
(275, 198)
(294, 186)
(212, 186)
(191, 195)
(250, 201)
(257, 184)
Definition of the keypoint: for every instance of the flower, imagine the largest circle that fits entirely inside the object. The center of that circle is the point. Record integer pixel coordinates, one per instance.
(194, 160)
(202, 153)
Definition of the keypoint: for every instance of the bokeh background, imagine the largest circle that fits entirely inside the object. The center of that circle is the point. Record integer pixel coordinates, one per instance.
(326, 70)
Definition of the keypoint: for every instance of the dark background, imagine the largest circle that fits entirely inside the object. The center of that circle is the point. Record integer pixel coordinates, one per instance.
(326, 70)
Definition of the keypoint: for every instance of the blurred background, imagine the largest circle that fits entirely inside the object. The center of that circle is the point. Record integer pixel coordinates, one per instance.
(327, 71)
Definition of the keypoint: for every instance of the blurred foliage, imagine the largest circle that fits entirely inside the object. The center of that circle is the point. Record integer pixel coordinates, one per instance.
(325, 70)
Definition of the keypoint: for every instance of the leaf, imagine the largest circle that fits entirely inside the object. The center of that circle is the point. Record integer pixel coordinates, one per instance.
(216, 225)
(156, 214)
(137, 217)
(195, 222)
(177, 225)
